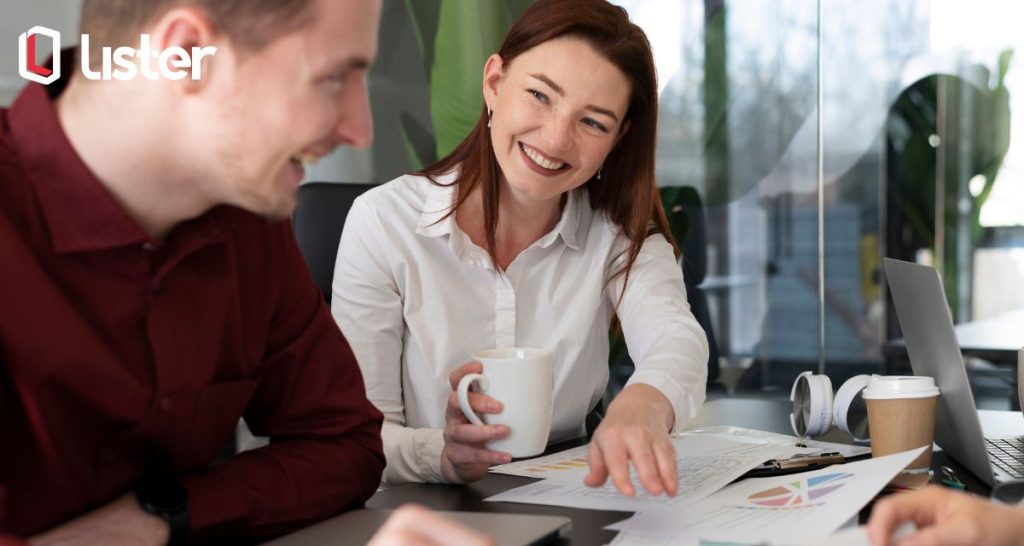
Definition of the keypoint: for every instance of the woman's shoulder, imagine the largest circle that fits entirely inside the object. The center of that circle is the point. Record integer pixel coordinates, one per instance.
(405, 195)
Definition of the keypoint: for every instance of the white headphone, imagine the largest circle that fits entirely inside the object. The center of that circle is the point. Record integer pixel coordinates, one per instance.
(815, 410)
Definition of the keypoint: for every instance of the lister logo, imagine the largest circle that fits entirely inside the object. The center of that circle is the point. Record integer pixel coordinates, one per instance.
(123, 63)
(28, 66)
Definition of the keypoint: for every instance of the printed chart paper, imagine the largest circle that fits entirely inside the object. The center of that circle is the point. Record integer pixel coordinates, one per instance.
(571, 464)
(762, 436)
(705, 464)
(760, 510)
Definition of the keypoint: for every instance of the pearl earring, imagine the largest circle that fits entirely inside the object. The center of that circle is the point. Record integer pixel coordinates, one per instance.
(490, 118)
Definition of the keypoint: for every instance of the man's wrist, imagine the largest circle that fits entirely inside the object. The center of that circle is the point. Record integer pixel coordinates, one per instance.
(164, 499)
(154, 528)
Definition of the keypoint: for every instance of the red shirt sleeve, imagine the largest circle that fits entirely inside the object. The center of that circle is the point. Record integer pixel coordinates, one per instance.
(325, 454)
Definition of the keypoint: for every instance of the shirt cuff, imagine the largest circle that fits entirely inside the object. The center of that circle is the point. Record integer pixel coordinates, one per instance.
(413, 455)
(685, 402)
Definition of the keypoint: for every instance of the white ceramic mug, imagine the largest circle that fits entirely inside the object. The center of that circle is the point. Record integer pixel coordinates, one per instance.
(522, 380)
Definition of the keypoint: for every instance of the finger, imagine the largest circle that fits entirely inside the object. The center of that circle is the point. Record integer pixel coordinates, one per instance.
(467, 455)
(917, 506)
(458, 373)
(942, 535)
(598, 472)
(480, 403)
(400, 537)
(665, 454)
(617, 461)
(440, 530)
(474, 434)
(641, 453)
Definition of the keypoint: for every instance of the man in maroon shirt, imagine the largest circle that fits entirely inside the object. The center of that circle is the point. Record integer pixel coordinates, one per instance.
(151, 292)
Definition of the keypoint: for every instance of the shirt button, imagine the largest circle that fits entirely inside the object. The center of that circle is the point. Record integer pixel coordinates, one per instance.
(165, 403)
(148, 246)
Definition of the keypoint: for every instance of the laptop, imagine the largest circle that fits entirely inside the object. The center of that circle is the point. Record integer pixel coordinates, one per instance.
(359, 526)
(927, 326)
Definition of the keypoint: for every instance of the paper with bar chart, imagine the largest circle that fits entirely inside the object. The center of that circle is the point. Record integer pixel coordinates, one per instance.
(549, 466)
(571, 464)
(768, 510)
(704, 464)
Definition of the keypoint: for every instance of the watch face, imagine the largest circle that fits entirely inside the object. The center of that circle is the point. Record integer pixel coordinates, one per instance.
(165, 496)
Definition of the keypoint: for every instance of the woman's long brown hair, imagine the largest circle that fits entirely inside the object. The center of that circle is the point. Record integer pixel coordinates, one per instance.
(626, 192)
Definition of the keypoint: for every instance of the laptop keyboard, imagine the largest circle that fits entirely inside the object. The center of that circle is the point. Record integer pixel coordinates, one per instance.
(1007, 454)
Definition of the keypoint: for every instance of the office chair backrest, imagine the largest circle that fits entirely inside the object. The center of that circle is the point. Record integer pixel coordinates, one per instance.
(318, 220)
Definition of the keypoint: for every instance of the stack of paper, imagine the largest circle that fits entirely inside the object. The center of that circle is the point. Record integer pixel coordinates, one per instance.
(705, 464)
(754, 511)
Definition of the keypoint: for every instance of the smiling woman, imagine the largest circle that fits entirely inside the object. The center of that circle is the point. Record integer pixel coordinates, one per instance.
(537, 230)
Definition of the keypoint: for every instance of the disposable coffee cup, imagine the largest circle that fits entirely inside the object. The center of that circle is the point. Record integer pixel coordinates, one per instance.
(522, 380)
(901, 416)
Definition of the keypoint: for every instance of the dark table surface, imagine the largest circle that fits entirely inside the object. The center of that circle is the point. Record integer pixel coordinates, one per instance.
(588, 525)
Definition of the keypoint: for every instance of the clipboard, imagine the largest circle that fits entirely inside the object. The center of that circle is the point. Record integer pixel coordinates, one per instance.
(797, 463)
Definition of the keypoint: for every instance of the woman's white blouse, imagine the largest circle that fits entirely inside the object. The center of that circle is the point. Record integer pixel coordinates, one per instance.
(415, 298)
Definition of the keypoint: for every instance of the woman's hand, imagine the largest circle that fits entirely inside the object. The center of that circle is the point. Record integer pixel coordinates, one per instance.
(465, 457)
(635, 429)
(946, 518)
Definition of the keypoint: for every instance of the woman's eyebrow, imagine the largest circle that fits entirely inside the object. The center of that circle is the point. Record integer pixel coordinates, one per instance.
(561, 92)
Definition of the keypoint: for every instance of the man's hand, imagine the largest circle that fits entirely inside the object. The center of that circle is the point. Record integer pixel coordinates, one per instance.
(946, 518)
(635, 429)
(413, 525)
(465, 457)
(121, 522)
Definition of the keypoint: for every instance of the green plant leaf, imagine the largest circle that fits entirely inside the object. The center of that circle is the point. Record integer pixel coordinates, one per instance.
(423, 16)
(468, 32)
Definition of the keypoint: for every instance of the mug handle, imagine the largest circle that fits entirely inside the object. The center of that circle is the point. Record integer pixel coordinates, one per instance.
(463, 393)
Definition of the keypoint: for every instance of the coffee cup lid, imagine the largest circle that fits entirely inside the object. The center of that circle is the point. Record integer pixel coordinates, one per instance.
(883, 387)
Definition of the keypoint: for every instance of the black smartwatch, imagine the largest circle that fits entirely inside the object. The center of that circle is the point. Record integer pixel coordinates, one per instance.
(165, 498)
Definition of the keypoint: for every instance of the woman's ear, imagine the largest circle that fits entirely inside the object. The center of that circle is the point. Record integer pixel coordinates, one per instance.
(494, 72)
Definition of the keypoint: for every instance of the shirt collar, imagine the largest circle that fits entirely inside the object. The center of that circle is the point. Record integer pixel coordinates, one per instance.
(440, 199)
(81, 214)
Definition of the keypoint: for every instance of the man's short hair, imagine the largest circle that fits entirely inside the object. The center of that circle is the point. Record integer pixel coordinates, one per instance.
(249, 24)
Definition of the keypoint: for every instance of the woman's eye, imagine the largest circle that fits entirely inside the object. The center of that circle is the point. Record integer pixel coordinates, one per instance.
(538, 95)
(590, 122)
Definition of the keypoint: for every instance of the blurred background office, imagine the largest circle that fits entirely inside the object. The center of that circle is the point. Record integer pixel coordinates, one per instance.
(801, 141)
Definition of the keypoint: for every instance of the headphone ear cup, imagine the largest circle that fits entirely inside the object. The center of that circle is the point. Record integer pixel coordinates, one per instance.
(850, 413)
(812, 404)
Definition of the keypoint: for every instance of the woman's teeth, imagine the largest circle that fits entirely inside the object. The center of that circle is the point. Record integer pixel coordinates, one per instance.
(540, 160)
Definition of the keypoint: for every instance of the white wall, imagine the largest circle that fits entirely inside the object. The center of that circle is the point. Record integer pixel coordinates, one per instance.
(17, 16)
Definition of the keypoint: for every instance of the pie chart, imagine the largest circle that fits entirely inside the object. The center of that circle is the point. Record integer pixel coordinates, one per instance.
(800, 492)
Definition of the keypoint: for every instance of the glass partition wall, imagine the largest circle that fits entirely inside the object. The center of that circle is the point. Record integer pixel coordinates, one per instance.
(819, 137)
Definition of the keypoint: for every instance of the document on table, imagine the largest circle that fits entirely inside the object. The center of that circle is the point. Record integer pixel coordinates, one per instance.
(557, 465)
(705, 464)
(855, 536)
(851, 536)
(750, 435)
(572, 465)
(760, 510)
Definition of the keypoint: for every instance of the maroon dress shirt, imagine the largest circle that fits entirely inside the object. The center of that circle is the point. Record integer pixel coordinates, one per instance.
(113, 345)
